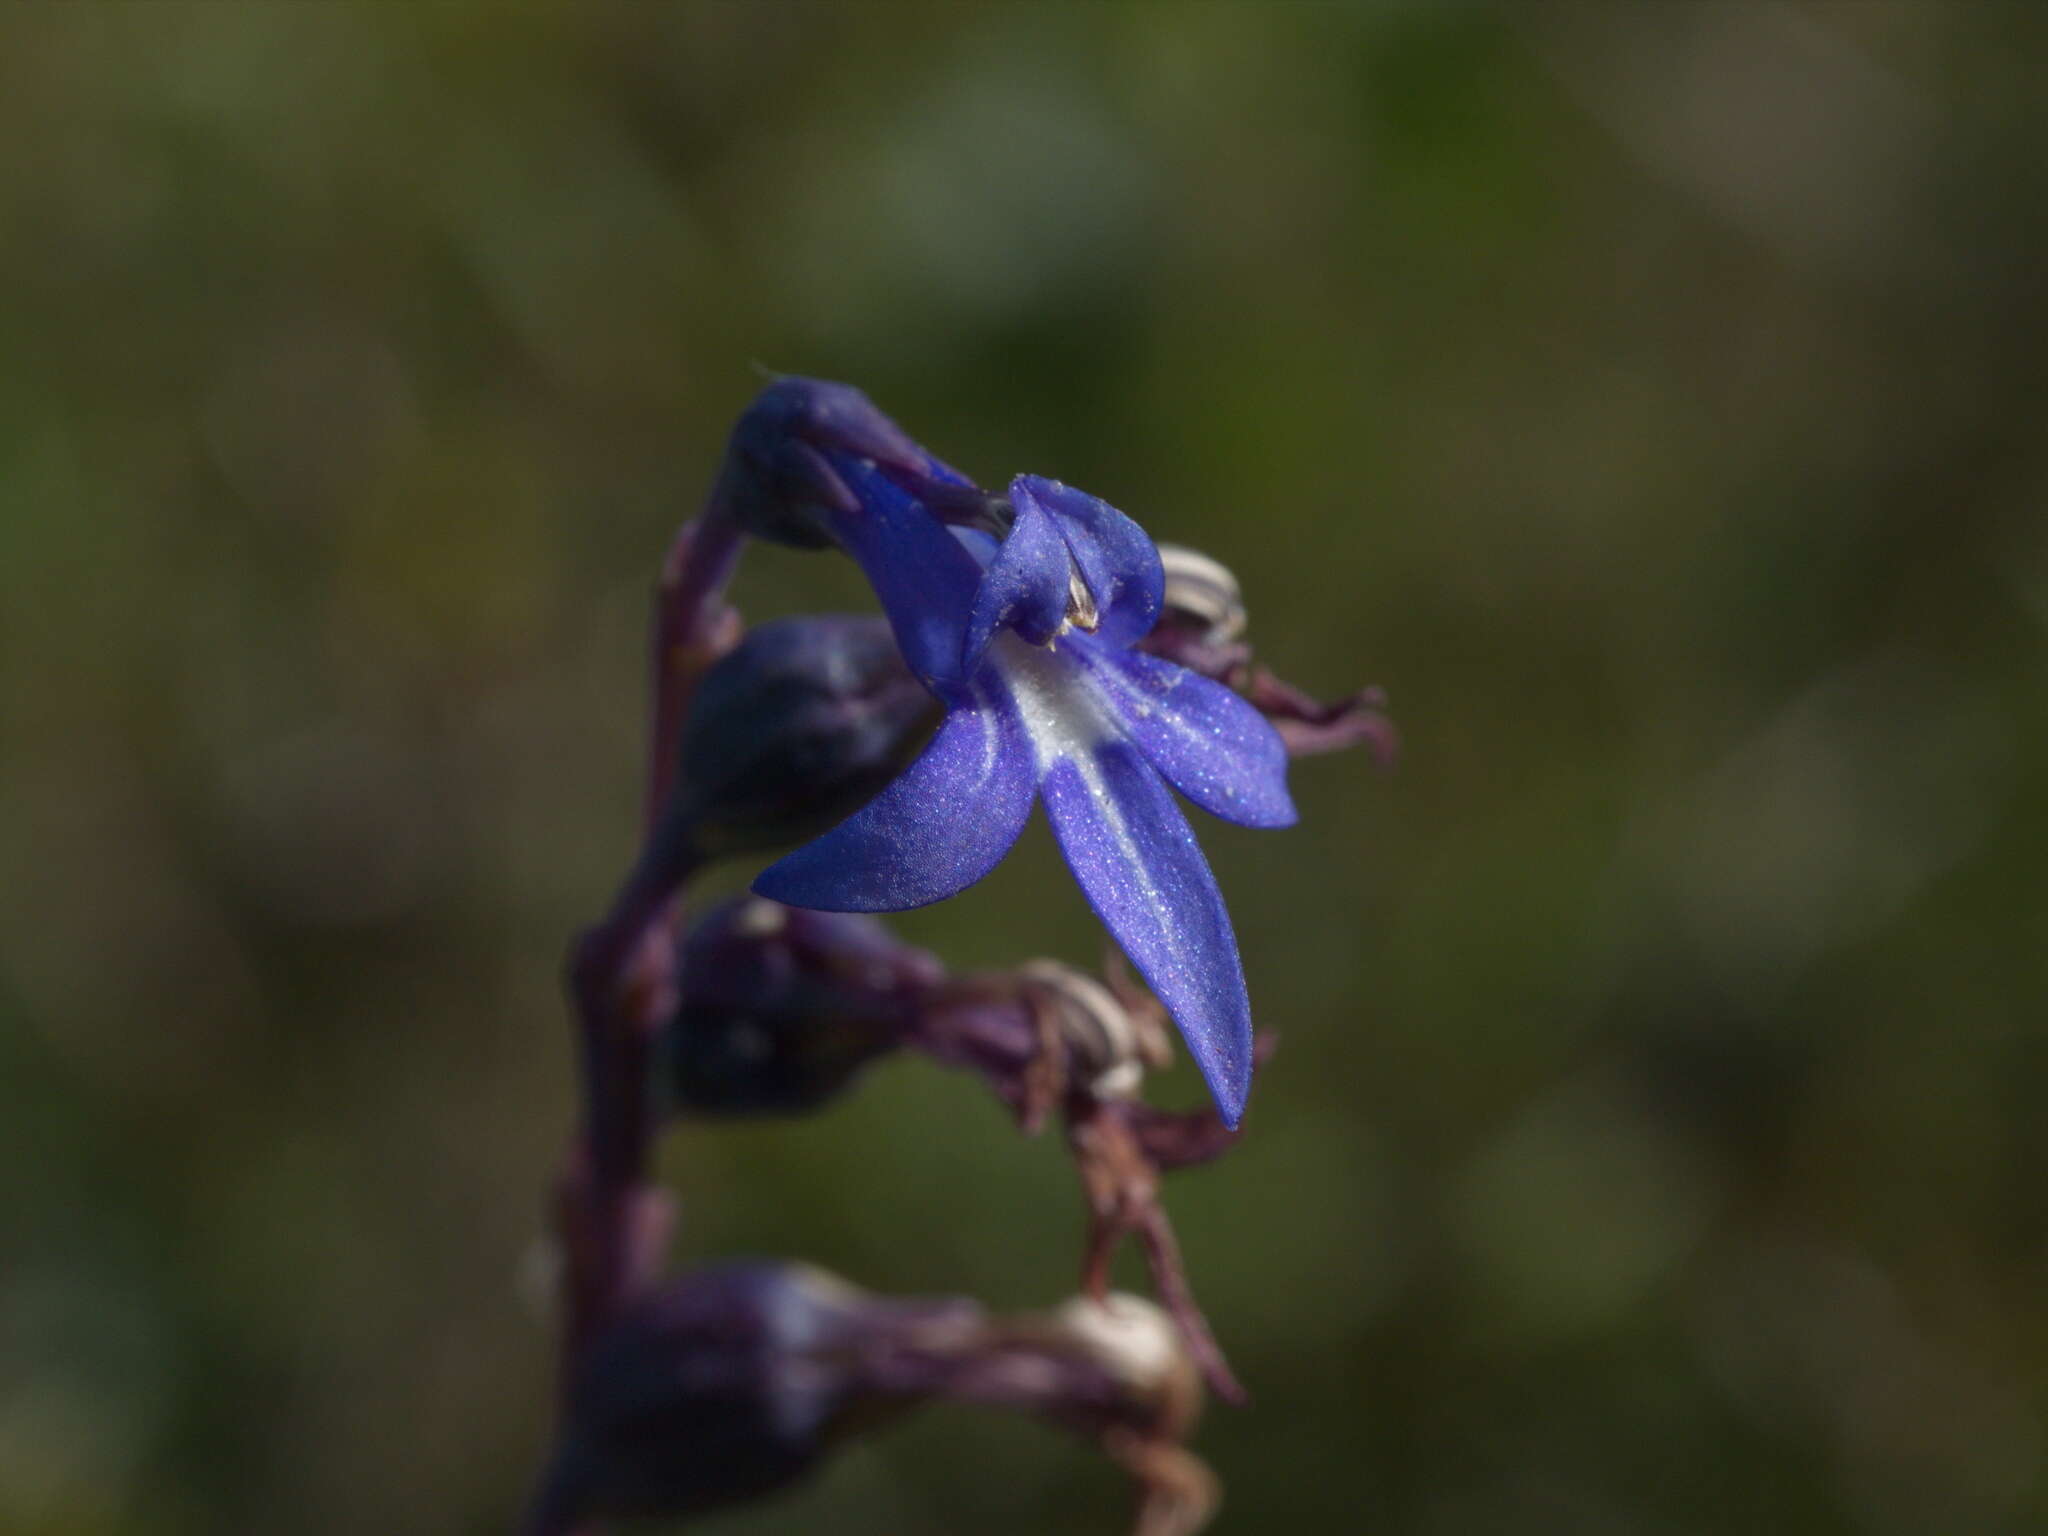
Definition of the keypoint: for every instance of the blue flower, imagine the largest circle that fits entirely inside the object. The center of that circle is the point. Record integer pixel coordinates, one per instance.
(1028, 643)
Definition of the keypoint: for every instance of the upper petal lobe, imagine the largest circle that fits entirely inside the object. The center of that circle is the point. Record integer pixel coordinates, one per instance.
(1116, 558)
(924, 578)
(1025, 587)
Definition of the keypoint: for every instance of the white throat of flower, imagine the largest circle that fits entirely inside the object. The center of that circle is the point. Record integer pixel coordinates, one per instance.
(1069, 721)
(1062, 713)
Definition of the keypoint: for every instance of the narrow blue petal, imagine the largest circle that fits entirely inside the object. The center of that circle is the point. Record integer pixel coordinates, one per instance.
(941, 825)
(1210, 744)
(923, 577)
(1144, 875)
(1116, 557)
(1025, 587)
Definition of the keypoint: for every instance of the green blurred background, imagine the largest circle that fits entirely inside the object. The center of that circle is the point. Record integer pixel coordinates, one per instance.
(1650, 396)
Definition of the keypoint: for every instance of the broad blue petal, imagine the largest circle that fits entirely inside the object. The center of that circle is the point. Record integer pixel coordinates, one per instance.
(1025, 587)
(942, 824)
(1115, 556)
(923, 577)
(1138, 863)
(1212, 746)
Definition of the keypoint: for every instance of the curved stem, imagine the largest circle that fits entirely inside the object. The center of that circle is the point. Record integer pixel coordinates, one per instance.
(611, 1222)
(693, 627)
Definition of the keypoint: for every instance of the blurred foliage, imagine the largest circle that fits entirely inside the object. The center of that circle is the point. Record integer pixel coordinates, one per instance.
(1651, 397)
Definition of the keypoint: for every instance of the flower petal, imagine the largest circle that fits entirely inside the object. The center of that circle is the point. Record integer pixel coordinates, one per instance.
(1210, 744)
(1138, 863)
(923, 576)
(1025, 587)
(1115, 556)
(942, 824)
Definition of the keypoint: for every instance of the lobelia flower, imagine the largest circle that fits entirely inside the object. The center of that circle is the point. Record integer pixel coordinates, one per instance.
(1028, 642)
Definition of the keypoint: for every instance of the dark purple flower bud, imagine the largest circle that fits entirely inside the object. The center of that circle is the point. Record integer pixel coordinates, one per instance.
(731, 1384)
(782, 1007)
(796, 728)
(788, 462)
(778, 483)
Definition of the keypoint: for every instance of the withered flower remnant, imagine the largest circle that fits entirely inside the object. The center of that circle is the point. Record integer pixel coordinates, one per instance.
(739, 1380)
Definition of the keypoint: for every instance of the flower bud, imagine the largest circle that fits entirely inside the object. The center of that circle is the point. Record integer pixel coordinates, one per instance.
(734, 1383)
(782, 1006)
(778, 482)
(793, 730)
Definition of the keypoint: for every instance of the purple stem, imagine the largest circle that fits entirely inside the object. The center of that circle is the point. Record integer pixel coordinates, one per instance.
(612, 1223)
(692, 628)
